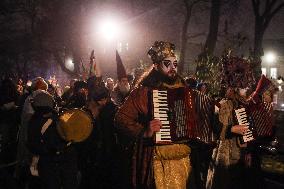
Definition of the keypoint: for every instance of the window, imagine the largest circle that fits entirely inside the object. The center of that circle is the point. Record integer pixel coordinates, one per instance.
(263, 71)
(275, 99)
(273, 73)
(119, 46)
(126, 46)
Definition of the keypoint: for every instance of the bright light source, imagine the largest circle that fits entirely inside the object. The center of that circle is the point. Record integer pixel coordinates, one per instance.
(282, 105)
(109, 29)
(270, 57)
(69, 64)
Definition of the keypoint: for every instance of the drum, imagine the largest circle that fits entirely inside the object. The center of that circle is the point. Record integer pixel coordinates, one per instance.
(75, 125)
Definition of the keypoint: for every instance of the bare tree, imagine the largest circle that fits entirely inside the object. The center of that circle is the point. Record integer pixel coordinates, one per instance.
(264, 11)
(189, 4)
(211, 40)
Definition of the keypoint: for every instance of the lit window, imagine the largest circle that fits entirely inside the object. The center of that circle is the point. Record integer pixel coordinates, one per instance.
(273, 73)
(119, 47)
(275, 98)
(126, 46)
(263, 71)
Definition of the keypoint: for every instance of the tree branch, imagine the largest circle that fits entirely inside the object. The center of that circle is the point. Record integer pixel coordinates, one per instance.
(272, 14)
(268, 7)
(255, 5)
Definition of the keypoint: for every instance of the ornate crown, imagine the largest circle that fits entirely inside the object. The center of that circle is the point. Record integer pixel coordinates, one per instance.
(161, 50)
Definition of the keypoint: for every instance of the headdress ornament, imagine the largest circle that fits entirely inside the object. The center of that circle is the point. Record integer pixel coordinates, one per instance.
(236, 72)
(161, 50)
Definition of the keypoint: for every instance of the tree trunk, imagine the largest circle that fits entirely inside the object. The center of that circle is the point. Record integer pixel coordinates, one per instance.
(184, 31)
(262, 21)
(211, 40)
(184, 37)
(258, 50)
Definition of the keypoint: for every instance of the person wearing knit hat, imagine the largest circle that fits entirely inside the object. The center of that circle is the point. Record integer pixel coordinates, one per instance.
(122, 88)
(39, 83)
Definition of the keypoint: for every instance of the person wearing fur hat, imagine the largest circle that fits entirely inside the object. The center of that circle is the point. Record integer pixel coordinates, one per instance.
(159, 166)
(122, 88)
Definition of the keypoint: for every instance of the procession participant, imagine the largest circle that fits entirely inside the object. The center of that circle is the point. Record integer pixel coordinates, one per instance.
(231, 159)
(122, 88)
(160, 166)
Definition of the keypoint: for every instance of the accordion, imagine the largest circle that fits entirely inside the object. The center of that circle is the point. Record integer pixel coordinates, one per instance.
(186, 115)
(259, 119)
(256, 114)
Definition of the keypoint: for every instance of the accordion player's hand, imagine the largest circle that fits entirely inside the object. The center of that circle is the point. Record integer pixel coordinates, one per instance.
(154, 126)
(239, 129)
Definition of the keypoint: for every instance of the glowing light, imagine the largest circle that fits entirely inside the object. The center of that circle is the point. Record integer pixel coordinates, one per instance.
(282, 105)
(69, 64)
(109, 29)
(270, 57)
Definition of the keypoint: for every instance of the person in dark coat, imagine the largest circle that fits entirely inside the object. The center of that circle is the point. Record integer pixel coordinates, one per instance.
(54, 160)
(9, 126)
(98, 158)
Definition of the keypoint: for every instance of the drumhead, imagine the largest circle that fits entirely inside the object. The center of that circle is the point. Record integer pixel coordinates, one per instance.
(74, 125)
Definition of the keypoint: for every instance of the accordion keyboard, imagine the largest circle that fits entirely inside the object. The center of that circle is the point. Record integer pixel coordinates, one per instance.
(243, 120)
(160, 111)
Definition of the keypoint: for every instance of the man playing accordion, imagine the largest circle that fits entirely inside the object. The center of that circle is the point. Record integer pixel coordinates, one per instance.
(190, 113)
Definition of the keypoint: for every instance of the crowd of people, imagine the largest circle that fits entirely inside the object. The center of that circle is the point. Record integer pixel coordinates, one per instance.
(119, 150)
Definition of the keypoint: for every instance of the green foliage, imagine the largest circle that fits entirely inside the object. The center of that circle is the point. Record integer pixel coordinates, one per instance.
(208, 70)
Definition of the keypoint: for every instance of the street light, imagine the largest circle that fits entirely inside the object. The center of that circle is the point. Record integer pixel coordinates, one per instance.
(109, 29)
(69, 64)
(270, 57)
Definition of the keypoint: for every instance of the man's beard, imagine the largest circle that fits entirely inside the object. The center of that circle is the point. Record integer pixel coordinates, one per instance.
(124, 89)
(166, 79)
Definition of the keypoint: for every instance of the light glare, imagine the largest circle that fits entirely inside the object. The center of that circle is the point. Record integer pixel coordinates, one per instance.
(270, 57)
(109, 29)
(69, 64)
